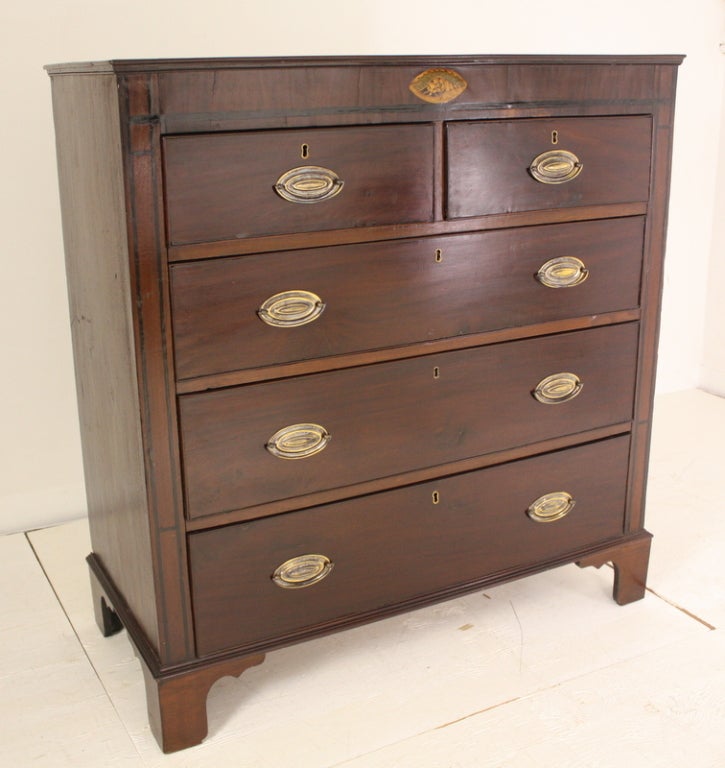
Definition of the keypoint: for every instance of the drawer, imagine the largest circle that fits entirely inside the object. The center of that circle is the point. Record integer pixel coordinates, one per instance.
(235, 185)
(492, 169)
(262, 442)
(392, 547)
(360, 297)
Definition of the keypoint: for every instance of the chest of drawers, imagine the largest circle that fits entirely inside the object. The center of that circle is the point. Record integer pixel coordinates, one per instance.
(355, 335)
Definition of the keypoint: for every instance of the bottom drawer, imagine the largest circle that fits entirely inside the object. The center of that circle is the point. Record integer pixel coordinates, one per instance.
(399, 545)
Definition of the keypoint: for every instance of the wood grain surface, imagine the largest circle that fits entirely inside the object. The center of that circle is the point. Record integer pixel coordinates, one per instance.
(221, 186)
(488, 163)
(380, 295)
(393, 546)
(396, 417)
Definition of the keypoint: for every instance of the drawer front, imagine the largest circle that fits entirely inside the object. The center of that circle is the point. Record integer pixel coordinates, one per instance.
(226, 186)
(492, 169)
(376, 295)
(262, 442)
(401, 544)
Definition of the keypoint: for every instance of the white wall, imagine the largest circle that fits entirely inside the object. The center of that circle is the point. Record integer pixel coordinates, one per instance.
(40, 465)
(713, 363)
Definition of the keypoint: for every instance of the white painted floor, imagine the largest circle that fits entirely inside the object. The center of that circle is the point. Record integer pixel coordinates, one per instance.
(547, 671)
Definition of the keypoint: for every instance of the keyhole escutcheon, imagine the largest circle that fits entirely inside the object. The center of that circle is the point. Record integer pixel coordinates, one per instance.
(305, 151)
(555, 137)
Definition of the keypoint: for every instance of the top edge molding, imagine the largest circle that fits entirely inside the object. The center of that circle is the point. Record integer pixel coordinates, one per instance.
(130, 66)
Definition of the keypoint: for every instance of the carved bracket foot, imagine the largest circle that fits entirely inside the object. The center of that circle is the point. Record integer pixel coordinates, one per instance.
(630, 560)
(177, 703)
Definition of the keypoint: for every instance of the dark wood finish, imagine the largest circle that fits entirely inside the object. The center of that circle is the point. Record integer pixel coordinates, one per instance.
(221, 186)
(511, 61)
(201, 143)
(392, 546)
(176, 704)
(388, 482)
(390, 294)
(106, 617)
(354, 359)
(141, 143)
(235, 247)
(630, 560)
(488, 163)
(396, 417)
(651, 290)
(377, 86)
(109, 180)
(90, 173)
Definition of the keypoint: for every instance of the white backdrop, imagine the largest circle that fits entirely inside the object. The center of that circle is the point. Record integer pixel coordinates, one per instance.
(40, 464)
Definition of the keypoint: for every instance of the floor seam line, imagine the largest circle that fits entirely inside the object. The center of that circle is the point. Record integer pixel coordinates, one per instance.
(687, 613)
(479, 712)
(436, 728)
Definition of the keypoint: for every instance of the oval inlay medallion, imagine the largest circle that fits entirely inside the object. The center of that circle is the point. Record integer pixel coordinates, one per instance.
(438, 85)
(562, 272)
(290, 309)
(308, 184)
(557, 166)
(298, 441)
(558, 388)
(302, 571)
(551, 507)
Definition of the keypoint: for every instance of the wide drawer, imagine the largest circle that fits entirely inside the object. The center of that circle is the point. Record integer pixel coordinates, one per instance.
(235, 185)
(400, 545)
(499, 166)
(262, 442)
(251, 311)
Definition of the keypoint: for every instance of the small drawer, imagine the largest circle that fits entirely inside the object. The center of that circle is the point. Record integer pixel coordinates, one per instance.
(251, 311)
(262, 442)
(235, 185)
(284, 575)
(501, 166)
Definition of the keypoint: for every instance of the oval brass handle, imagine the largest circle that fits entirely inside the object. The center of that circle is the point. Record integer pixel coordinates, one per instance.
(562, 272)
(308, 184)
(557, 166)
(291, 309)
(551, 507)
(298, 441)
(558, 388)
(302, 571)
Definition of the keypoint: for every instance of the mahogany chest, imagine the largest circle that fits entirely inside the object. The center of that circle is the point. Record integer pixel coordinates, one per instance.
(355, 335)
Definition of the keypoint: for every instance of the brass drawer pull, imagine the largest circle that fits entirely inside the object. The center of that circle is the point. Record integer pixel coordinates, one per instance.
(551, 507)
(556, 166)
(298, 441)
(558, 388)
(302, 571)
(308, 184)
(562, 272)
(438, 85)
(291, 309)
